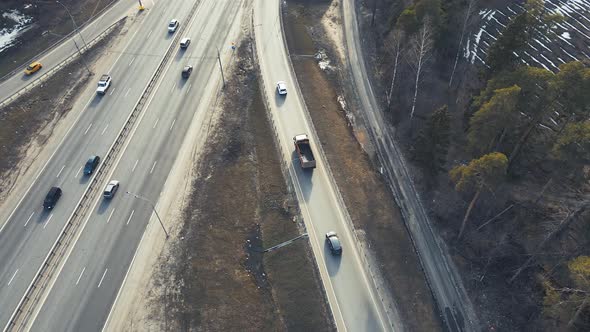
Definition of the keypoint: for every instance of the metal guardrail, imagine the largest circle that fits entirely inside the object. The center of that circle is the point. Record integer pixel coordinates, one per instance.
(61, 40)
(27, 305)
(46, 75)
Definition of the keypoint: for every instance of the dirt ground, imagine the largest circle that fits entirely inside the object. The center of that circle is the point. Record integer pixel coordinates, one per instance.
(370, 204)
(50, 23)
(213, 276)
(29, 121)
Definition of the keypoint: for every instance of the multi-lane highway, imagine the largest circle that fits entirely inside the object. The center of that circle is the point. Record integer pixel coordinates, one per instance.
(104, 250)
(53, 57)
(95, 269)
(353, 299)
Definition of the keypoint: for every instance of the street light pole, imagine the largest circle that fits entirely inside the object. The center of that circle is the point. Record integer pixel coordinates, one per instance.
(220, 66)
(153, 208)
(79, 33)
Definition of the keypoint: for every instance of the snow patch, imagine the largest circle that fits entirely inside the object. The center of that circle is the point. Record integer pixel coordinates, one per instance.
(8, 35)
(323, 60)
(566, 35)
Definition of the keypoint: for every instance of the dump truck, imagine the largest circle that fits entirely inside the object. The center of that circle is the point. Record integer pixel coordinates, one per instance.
(304, 152)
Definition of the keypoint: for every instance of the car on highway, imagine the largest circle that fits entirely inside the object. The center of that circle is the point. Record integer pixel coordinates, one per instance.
(111, 189)
(103, 84)
(173, 25)
(52, 197)
(185, 42)
(33, 68)
(282, 88)
(186, 71)
(334, 243)
(91, 165)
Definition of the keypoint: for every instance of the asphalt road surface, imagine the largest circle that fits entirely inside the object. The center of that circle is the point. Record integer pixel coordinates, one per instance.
(81, 298)
(353, 300)
(442, 275)
(29, 232)
(55, 56)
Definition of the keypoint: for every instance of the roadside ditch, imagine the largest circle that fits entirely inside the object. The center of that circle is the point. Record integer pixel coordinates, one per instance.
(213, 275)
(372, 207)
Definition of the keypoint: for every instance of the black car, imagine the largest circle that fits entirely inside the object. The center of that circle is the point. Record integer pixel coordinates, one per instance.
(52, 197)
(186, 71)
(334, 243)
(91, 165)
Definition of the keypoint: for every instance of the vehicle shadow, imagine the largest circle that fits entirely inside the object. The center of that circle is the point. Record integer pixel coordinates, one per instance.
(279, 99)
(332, 261)
(84, 178)
(104, 205)
(303, 176)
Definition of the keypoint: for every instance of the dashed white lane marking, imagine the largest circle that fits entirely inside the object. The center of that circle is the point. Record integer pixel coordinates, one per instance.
(81, 273)
(135, 165)
(78, 172)
(87, 129)
(132, 61)
(126, 93)
(14, 275)
(149, 33)
(173, 122)
(173, 86)
(154, 166)
(112, 90)
(47, 222)
(105, 129)
(189, 88)
(31, 216)
(101, 279)
(110, 215)
(155, 124)
(59, 173)
(131, 216)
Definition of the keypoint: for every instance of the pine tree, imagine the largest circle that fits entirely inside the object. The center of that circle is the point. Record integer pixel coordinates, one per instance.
(432, 144)
(485, 173)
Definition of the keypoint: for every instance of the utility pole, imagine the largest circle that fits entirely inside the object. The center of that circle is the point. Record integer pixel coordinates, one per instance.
(153, 209)
(79, 33)
(141, 7)
(220, 66)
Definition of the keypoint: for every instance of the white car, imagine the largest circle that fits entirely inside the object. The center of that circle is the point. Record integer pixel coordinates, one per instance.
(185, 42)
(282, 88)
(173, 25)
(111, 189)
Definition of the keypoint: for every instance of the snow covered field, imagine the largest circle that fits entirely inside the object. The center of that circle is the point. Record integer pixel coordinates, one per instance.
(8, 35)
(572, 41)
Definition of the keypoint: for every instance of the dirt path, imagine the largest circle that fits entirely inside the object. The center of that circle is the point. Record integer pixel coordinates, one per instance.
(212, 276)
(371, 206)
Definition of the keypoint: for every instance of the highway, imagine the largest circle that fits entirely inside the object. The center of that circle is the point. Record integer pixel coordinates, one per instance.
(443, 277)
(350, 291)
(29, 232)
(54, 56)
(81, 298)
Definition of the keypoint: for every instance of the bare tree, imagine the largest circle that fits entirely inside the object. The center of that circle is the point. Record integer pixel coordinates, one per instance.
(468, 14)
(420, 53)
(393, 43)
